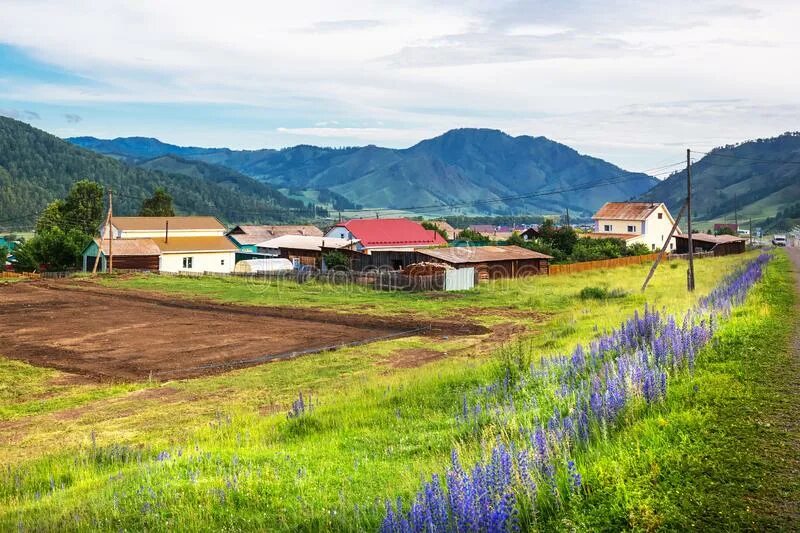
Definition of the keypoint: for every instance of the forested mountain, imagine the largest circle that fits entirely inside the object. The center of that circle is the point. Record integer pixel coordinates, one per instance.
(36, 168)
(487, 170)
(754, 179)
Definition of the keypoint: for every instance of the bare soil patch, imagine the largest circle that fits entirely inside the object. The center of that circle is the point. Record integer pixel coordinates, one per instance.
(112, 334)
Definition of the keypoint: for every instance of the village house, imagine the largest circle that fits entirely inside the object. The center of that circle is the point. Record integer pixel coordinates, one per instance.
(305, 250)
(386, 242)
(490, 262)
(167, 244)
(247, 237)
(647, 223)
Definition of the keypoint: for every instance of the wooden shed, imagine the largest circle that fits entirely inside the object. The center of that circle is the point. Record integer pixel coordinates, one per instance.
(704, 242)
(129, 254)
(491, 262)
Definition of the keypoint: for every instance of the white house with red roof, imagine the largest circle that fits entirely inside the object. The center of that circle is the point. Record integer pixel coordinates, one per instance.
(386, 234)
(648, 223)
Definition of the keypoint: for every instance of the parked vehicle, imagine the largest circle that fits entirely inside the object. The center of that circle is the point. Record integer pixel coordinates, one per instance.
(263, 265)
(779, 240)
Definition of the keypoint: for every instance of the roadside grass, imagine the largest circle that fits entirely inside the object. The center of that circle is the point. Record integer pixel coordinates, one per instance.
(374, 433)
(699, 460)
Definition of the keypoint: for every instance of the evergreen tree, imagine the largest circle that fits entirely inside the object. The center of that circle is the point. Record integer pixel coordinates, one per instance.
(158, 205)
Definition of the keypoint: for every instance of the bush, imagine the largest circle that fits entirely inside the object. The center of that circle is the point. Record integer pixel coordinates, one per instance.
(336, 260)
(600, 293)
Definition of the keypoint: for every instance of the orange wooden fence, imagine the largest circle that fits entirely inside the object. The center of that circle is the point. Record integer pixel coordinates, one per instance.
(28, 275)
(573, 268)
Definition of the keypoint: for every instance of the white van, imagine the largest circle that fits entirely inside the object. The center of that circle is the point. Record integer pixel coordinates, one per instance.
(779, 240)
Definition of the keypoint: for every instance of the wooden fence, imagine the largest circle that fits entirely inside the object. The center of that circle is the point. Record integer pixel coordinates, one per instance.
(573, 268)
(18, 275)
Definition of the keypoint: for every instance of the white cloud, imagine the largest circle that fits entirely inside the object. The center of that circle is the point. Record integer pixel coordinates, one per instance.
(597, 74)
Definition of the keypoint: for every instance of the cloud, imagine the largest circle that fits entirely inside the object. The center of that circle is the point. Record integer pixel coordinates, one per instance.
(72, 118)
(18, 114)
(596, 73)
(477, 48)
(330, 26)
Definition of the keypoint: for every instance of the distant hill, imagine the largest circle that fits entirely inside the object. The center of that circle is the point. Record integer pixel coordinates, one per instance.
(36, 168)
(754, 179)
(485, 169)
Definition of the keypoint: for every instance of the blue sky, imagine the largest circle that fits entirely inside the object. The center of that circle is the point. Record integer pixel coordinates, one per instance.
(632, 82)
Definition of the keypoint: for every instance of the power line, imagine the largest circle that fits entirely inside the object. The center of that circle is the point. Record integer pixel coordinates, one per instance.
(745, 158)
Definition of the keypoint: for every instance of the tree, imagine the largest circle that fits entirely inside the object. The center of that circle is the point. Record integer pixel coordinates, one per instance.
(83, 207)
(472, 236)
(725, 230)
(158, 205)
(51, 217)
(433, 227)
(3, 257)
(54, 248)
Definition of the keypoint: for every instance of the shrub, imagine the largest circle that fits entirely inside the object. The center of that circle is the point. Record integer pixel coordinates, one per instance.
(600, 293)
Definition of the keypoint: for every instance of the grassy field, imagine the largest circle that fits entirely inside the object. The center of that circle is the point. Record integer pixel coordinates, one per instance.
(220, 452)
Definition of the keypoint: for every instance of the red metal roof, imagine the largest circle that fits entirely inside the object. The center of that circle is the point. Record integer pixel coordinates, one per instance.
(374, 232)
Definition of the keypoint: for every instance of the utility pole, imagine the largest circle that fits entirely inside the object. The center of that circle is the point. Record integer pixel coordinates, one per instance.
(751, 232)
(736, 211)
(110, 235)
(568, 217)
(106, 228)
(690, 272)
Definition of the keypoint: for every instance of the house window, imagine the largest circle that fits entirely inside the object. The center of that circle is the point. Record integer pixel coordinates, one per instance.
(606, 227)
(222, 262)
(660, 216)
(653, 246)
(187, 262)
(631, 229)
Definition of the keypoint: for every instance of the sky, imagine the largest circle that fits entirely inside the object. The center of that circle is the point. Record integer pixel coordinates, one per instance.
(632, 82)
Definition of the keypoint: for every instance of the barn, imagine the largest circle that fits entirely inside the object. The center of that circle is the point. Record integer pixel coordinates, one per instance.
(490, 262)
(704, 242)
(129, 254)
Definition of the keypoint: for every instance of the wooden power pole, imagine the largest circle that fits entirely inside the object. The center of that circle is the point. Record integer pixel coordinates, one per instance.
(690, 272)
(664, 247)
(106, 228)
(110, 233)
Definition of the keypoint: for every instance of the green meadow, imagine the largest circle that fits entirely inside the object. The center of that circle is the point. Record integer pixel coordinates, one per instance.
(219, 452)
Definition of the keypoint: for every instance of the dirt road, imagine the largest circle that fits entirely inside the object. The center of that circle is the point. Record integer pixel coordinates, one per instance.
(117, 335)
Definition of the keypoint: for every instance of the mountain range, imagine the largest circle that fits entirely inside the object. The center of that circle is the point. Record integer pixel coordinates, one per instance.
(37, 168)
(753, 179)
(476, 171)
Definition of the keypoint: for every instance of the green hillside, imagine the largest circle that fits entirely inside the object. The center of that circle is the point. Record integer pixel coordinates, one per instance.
(36, 168)
(755, 179)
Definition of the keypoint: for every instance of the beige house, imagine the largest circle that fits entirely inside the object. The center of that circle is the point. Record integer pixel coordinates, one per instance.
(174, 244)
(648, 223)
